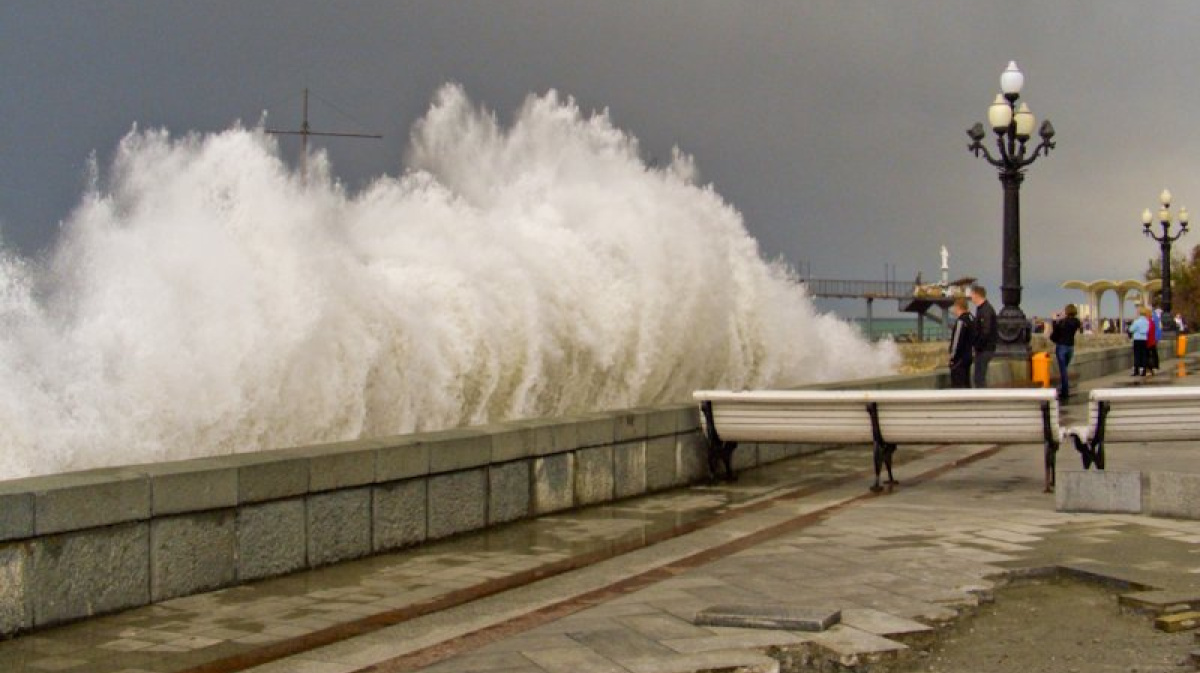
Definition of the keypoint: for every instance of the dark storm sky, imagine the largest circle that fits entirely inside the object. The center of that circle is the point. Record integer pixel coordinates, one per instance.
(836, 128)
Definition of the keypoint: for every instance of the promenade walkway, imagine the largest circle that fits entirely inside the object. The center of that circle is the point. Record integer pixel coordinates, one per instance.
(615, 589)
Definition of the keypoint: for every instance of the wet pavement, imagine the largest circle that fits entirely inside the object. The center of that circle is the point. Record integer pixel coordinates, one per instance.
(615, 588)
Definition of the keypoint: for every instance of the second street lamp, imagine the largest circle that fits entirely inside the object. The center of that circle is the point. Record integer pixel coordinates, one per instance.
(1012, 126)
(1164, 242)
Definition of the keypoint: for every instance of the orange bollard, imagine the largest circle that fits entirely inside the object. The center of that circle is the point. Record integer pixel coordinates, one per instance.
(1181, 345)
(1040, 369)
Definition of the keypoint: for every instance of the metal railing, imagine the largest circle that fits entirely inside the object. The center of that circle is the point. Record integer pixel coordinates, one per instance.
(859, 289)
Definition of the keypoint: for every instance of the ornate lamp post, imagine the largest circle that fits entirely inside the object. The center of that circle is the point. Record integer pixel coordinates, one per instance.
(1012, 125)
(1164, 242)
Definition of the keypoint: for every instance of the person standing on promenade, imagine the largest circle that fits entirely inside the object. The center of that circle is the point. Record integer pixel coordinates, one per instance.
(986, 334)
(1139, 330)
(961, 344)
(1066, 326)
(1152, 338)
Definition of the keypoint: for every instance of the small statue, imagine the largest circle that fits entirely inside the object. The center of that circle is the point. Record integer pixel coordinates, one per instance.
(945, 258)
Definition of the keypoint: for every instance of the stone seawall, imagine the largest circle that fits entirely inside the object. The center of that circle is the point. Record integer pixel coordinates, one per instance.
(85, 543)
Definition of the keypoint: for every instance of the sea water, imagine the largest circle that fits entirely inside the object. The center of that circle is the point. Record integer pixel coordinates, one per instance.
(204, 299)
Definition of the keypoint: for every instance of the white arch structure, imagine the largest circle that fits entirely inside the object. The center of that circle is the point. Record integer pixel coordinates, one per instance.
(1095, 290)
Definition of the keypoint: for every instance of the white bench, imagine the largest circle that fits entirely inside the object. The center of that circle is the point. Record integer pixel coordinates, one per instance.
(1137, 415)
(883, 418)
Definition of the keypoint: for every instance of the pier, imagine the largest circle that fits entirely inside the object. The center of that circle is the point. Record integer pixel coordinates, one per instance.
(909, 296)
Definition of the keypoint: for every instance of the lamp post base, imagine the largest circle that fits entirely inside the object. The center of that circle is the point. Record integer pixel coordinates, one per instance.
(1013, 329)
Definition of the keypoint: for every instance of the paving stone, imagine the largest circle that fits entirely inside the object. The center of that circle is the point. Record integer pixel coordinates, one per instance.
(190, 553)
(736, 660)
(850, 647)
(882, 623)
(508, 491)
(271, 539)
(1158, 601)
(399, 514)
(457, 502)
(739, 639)
(572, 660)
(784, 617)
(1178, 621)
(339, 525)
(662, 627)
(622, 645)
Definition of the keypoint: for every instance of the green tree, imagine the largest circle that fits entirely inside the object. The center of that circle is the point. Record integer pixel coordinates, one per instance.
(1185, 282)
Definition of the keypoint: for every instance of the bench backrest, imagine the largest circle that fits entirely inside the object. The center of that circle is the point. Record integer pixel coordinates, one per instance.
(1147, 414)
(905, 416)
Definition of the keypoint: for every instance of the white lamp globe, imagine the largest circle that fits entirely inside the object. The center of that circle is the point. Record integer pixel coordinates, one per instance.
(1012, 79)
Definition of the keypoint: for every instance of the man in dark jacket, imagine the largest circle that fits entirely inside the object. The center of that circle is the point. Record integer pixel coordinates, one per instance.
(986, 334)
(961, 343)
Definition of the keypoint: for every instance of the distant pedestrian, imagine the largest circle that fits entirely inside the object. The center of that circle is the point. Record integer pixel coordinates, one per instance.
(1152, 339)
(1179, 323)
(1066, 326)
(961, 344)
(1139, 330)
(986, 334)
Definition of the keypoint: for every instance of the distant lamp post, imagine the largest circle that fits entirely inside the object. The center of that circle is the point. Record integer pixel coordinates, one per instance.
(1012, 125)
(1164, 242)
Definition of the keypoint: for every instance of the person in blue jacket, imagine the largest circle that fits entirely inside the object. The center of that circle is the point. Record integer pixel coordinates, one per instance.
(1139, 330)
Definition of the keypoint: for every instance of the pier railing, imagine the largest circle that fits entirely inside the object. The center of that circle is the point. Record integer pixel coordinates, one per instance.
(859, 289)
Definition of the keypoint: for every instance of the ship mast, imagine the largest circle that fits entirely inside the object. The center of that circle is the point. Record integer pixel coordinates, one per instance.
(306, 131)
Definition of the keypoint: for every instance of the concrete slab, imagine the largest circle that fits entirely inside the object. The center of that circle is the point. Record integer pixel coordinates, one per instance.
(509, 491)
(457, 502)
(453, 450)
(399, 514)
(89, 573)
(84, 500)
(1098, 491)
(190, 553)
(1174, 494)
(629, 469)
(16, 514)
(594, 475)
(271, 539)
(14, 605)
(192, 486)
(401, 458)
(339, 525)
(342, 465)
(553, 483)
(783, 617)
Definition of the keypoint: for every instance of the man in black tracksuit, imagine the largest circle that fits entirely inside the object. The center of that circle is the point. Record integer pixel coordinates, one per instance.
(961, 344)
(986, 334)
